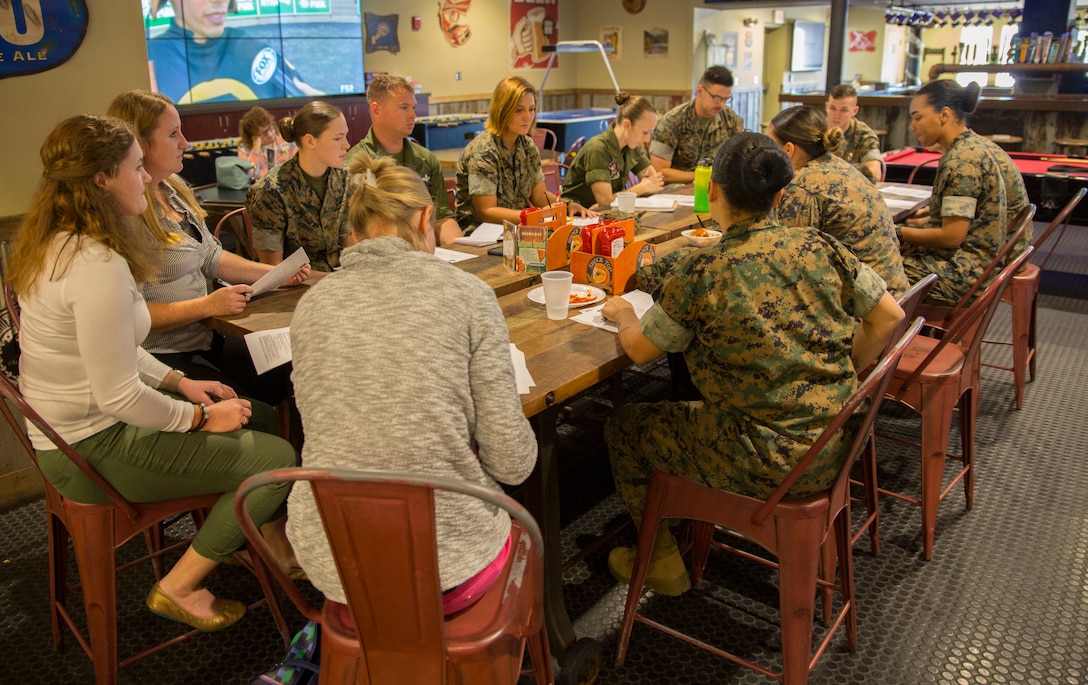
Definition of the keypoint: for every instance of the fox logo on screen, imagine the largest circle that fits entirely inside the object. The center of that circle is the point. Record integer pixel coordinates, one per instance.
(264, 66)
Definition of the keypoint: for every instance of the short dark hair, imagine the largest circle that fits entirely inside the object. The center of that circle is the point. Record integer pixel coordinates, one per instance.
(843, 90)
(718, 75)
(750, 169)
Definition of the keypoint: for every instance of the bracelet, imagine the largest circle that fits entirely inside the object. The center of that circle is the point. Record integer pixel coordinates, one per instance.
(203, 417)
(170, 383)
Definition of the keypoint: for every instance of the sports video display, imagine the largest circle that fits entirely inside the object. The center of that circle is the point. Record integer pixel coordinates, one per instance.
(224, 50)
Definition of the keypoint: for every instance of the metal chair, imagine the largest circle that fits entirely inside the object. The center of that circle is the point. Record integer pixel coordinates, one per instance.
(573, 149)
(96, 532)
(553, 177)
(933, 378)
(916, 169)
(1022, 295)
(545, 139)
(392, 628)
(908, 302)
(791, 529)
(245, 237)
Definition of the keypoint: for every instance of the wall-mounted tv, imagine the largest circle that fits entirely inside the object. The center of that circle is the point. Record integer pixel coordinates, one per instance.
(224, 50)
(808, 46)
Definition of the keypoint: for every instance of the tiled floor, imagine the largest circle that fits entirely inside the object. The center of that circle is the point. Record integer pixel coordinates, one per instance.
(1002, 601)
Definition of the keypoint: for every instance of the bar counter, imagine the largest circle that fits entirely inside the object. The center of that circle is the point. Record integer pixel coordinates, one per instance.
(1038, 119)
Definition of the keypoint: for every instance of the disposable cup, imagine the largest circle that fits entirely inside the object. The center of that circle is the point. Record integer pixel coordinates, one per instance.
(625, 201)
(556, 293)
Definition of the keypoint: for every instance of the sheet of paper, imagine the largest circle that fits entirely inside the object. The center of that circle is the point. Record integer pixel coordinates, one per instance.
(281, 273)
(521, 371)
(584, 220)
(485, 234)
(681, 200)
(591, 316)
(452, 256)
(269, 349)
(916, 192)
(654, 203)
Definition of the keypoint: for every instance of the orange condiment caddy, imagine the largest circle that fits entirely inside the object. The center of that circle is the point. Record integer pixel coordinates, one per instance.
(610, 273)
(542, 242)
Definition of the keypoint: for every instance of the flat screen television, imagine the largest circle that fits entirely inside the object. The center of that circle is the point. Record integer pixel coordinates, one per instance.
(227, 50)
(808, 46)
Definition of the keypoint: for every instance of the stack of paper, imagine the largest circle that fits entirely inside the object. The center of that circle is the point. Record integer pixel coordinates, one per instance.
(654, 203)
(452, 256)
(485, 234)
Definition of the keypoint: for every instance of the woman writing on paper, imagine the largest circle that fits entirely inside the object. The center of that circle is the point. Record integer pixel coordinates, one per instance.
(602, 167)
(773, 321)
(188, 258)
(498, 173)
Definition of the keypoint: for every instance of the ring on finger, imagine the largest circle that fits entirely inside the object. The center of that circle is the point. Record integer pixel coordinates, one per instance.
(245, 420)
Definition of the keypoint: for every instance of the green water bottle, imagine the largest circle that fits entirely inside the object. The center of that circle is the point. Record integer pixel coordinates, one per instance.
(702, 186)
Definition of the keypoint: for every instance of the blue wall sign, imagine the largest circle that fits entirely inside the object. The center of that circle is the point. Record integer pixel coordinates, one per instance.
(34, 38)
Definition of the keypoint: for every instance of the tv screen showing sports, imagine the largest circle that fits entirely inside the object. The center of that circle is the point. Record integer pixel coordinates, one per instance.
(225, 50)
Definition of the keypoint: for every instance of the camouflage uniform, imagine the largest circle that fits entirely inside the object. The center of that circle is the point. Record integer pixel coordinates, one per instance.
(420, 160)
(1016, 194)
(487, 168)
(684, 138)
(766, 320)
(602, 161)
(828, 194)
(287, 214)
(968, 184)
(859, 145)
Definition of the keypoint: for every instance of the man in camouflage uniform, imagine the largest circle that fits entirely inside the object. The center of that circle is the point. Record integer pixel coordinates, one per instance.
(696, 129)
(969, 185)
(288, 210)
(739, 311)
(860, 145)
(392, 104)
(487, 168)
(831, 195)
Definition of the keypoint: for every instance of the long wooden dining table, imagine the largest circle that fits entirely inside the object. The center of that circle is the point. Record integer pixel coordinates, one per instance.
(565, 359)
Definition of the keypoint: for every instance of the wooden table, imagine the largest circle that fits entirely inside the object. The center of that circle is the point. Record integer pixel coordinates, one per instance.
(565, 358)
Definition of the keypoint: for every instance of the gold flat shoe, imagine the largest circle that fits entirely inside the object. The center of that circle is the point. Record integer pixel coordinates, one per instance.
(161, 604)
(297, 573)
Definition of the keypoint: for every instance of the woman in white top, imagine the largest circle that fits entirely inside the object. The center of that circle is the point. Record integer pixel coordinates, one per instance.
(147, 429)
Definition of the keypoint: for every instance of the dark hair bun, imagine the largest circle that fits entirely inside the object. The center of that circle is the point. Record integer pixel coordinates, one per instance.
(287, 129)
(622, 98)
(766, 171)
(832, 138)
(971, 93)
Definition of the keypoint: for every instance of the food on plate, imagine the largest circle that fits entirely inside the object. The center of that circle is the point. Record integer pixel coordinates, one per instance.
(582, 297)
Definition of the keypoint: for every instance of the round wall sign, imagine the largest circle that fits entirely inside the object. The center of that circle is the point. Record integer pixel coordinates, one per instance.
(634, 6)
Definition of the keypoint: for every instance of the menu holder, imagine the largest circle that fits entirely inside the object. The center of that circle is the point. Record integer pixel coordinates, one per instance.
(614, 275)
(535, 249)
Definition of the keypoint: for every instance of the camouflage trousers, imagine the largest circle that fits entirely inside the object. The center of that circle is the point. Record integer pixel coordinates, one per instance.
(953, 281)
(718, 448)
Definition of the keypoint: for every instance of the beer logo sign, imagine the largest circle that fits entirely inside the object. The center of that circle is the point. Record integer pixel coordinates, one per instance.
(37, 36)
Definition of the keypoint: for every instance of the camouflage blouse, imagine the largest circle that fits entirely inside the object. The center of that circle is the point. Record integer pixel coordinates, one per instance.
(831, 195)
(287, 214)
(487, 168)
(602, 161)
(859, 145)
(684, 138)
(969, 184)
(766, 320)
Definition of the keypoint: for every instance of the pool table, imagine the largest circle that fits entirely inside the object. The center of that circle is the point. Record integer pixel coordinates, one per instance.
(571, 124)
(1051, 179)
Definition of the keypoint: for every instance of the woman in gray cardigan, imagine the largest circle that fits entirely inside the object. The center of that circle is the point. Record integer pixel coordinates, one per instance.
(402, 361)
